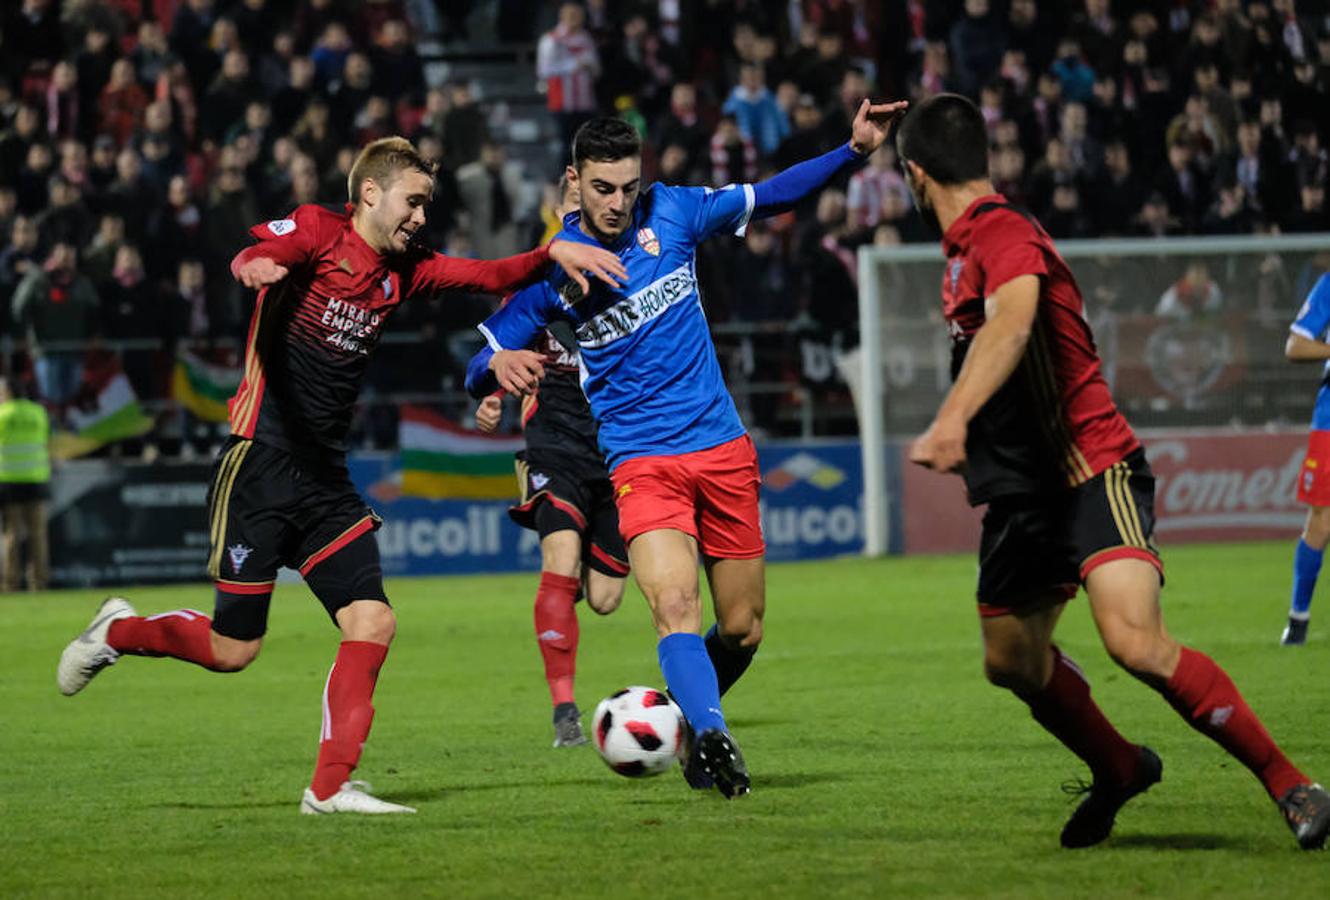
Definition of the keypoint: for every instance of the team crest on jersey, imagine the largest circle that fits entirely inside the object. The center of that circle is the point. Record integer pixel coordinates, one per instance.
(648, 241)
(538, 480)
(954, 271)
(238, 553)
(280, 227)
(387, 288)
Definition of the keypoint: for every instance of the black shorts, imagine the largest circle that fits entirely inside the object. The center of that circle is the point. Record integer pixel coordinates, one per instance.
(559, 494)
(1036, 546)
(268, 509)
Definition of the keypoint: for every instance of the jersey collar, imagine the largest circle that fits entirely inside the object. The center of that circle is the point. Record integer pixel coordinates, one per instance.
(951, 241)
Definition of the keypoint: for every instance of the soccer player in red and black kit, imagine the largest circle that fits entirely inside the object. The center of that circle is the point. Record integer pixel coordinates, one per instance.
(281, 494)
(568, 499)
(1030, 424)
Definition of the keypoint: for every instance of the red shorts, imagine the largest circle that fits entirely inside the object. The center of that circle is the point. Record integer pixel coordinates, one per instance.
(709, 494)
(1314, 479)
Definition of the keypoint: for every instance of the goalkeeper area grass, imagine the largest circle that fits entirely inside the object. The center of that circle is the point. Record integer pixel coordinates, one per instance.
(883, 764)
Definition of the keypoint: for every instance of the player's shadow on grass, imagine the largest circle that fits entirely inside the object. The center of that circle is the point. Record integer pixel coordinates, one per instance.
(436, 793)
(743, 724)
(1186, 841)
(252, 804)
(790, 780)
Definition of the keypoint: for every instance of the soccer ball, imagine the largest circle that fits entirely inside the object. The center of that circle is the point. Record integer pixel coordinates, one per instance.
(639, 731)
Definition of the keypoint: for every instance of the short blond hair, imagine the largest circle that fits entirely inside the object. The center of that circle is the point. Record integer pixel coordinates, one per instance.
(382, 160)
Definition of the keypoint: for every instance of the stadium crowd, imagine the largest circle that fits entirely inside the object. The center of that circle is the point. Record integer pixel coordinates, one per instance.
(139, 139)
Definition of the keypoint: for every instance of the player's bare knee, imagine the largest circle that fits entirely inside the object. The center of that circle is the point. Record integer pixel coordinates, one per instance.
(740, 628)
(369, 621)
(604, 599)
(1316, 534)
(1141, 652)
(231, 655)
(676, 608)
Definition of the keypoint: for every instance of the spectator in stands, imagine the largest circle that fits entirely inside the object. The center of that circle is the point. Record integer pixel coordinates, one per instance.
(1118, 192)
(733, 155)
(66, 218)
(22, 133)
(398, 71)
(19, 257)
(977, 43)
(175, 229)
(1070, 69)
(1310, 213)
(122, 102)
(868, 186)
(290, 101)
(226, 97)
(1192, 295)
(1184, 185)
(63, 115)
(99, 259)
(1099, 35)
(567, 65)
(330, 53)
(151, 54)
(56, 309)
(1066, 218)
(1155, 218)
(754, 109)
(1029, 34)
(682, 126)
(188, 317)
(1230, 212)
(493, 194)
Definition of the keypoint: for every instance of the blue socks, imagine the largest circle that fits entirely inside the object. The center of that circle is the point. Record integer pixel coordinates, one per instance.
(730, 662)
(1306, 566)
(692, 680)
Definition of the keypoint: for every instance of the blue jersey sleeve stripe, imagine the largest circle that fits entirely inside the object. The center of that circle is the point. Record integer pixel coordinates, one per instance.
(1302, 332)
(750, 203)
(490, 338)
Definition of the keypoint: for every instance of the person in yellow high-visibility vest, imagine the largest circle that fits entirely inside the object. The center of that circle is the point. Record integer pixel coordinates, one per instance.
(25, 475)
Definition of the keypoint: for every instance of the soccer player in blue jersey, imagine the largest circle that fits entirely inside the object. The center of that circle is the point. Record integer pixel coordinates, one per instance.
(684, 469)
(1307, 343)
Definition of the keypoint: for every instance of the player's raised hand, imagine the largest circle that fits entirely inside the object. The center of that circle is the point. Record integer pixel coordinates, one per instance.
(872, 124)
(488, 414)
(942, 447)
(260, 272)
(576, 258)
(518, 371)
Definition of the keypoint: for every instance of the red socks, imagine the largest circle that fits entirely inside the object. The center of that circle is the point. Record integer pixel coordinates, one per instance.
(347, 713)
(183, 634)
(556, 632)
(1065, 708)
(1206, 697)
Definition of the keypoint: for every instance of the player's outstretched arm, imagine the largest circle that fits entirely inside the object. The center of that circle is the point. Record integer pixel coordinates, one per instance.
(515, 324)
(783, 190)
(502, 276)
(994, 353)
(254, 269)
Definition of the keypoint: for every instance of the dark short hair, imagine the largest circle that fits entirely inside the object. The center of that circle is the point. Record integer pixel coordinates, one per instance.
(605, 139)
(945, 136)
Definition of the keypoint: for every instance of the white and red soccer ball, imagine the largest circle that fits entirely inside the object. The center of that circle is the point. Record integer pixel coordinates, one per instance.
(639, 731)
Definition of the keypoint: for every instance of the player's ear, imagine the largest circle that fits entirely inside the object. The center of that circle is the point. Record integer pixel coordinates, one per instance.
(369, 192)
(570, 172)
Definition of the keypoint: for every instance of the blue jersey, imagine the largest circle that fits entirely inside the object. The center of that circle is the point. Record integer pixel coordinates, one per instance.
(1313, 322)
(648, 367)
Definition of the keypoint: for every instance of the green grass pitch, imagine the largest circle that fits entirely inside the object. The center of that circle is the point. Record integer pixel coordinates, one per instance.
(883, 765)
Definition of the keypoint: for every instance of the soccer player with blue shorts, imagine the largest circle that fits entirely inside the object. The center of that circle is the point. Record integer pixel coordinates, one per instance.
(1307, 343)
(684, 469)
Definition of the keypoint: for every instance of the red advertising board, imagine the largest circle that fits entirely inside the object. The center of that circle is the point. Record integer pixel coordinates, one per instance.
(1210, 486)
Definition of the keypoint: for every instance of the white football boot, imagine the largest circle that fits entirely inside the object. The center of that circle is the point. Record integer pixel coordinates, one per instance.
(352, 797)
(89, 653)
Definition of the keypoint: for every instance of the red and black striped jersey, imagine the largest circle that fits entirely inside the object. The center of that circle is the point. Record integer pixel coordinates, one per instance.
(1053, 423)
(311, 334)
